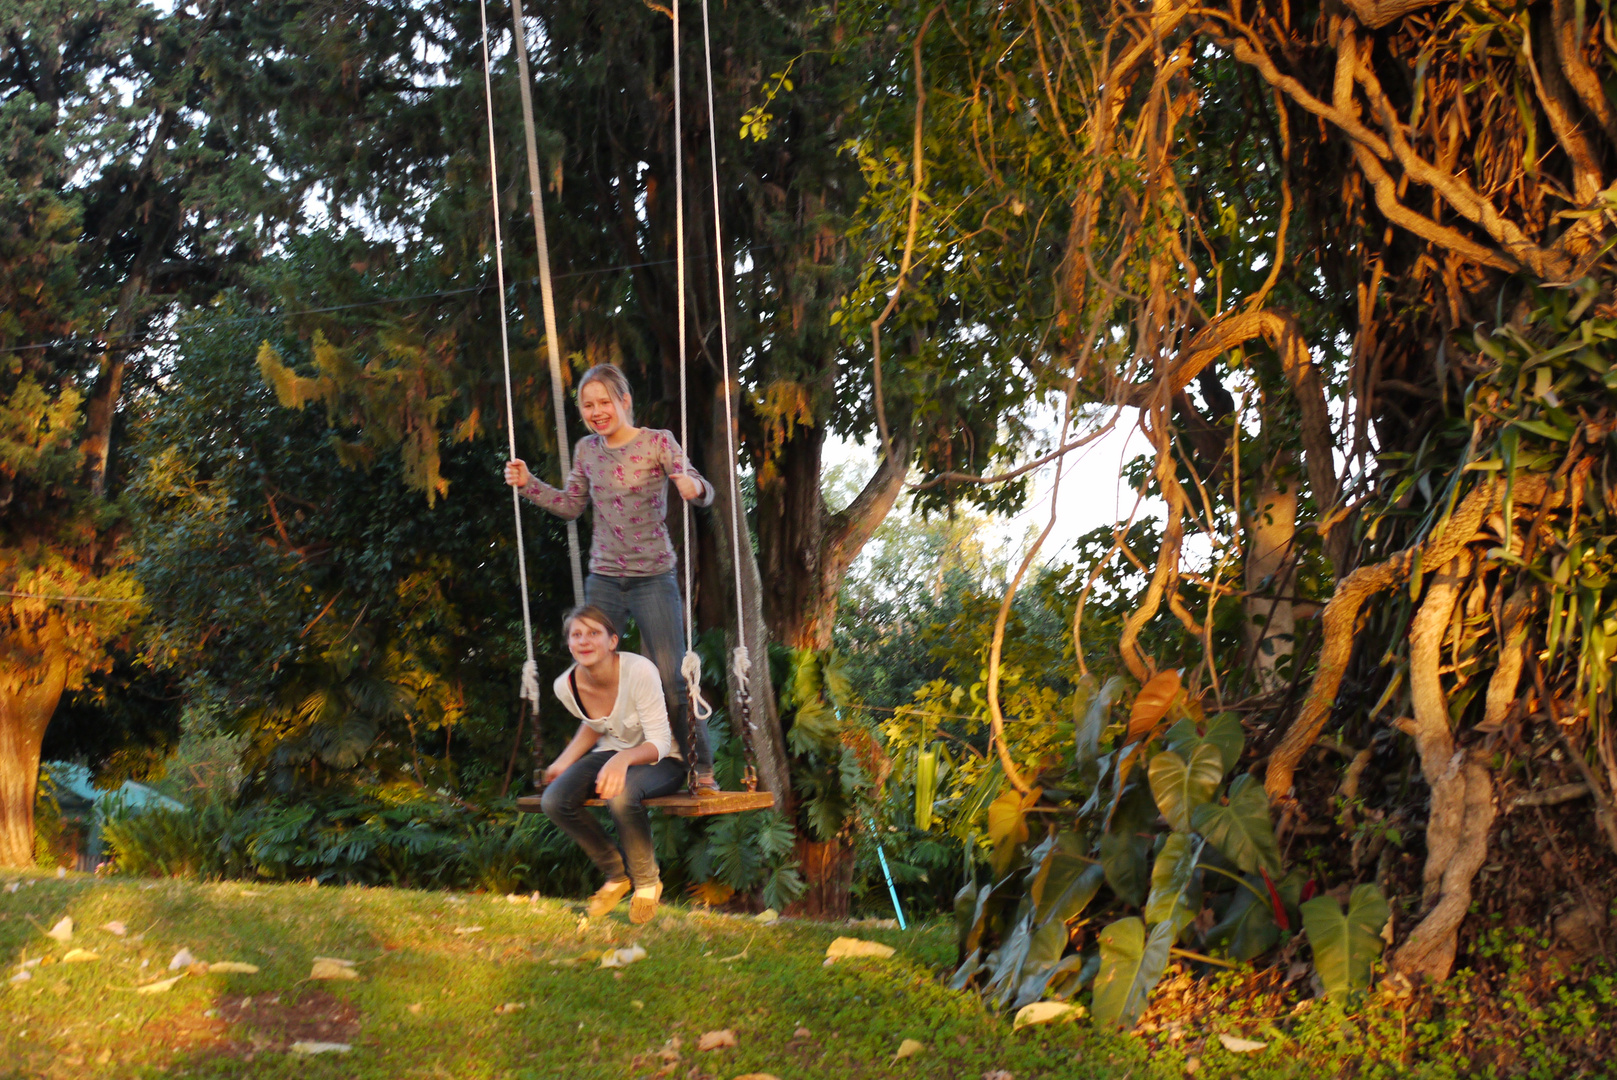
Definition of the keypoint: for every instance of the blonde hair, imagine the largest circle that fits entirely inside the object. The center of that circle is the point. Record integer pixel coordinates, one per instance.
(617, 386)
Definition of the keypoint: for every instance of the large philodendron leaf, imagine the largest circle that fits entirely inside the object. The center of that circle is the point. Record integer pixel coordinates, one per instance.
(1125, 860)
(1131, 963)
(1181, 785)
(1093, 722)
(1241, 830)
(1345, 945)
(1223, 731)
(1172, 896)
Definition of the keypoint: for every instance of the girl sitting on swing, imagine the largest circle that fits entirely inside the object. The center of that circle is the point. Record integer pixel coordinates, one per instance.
(623, 752)
(623, 471)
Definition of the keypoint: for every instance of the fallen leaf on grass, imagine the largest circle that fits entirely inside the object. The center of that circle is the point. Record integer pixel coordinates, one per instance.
(326, 967)
(63, 930)
(232, 967)
(414, 1009)
(182, 959)
(716, 1040)
(757, 1076)
(509, 1007)
(638, 1004)
(768, 916)
(21, 976)
(844, 948)
(80, 956)
(802, 1033)
(1236, 1045)
(115, 927)
(621, 958)
(161, 987)
(574, 961)
(320, 1048)
(468, 929)
(997, 1074)
(1044, 1012)
(909, 1048)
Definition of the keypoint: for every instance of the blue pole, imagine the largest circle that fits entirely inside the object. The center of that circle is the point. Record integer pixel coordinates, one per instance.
(891, 888)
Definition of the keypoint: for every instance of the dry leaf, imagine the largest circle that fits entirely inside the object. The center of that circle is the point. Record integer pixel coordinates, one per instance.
(232, 967)
(63, 930)
(115, 927)
(162, 987)
(510, 1007)
(182, 959)
(909, 1048)
(326, 967)
(13, 886)
(757, 1076)
(802, 1033)
(846, 947)
(997, 1074)
(621, 958)
(80, 956)
(638, 1004)
(1044, 1012)
(468, 929)
(414, 1009)
(768, 916)
(1156, 697)
(320, 1048)
(716, 1040)
(1237, 1045)
(22, 976)
(670, 1051)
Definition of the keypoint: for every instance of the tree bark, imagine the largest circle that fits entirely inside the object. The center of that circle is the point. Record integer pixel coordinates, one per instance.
(28, 699)
(1270, 569)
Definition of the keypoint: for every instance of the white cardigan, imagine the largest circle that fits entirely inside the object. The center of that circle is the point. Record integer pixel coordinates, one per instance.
(639, 714)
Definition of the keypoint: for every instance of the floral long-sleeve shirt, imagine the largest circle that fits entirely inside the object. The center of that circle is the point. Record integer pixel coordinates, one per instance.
(628, 486)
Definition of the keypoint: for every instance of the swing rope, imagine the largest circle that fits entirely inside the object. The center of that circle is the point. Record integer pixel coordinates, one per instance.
(691, 667)
(530, 667)
(558, 394)
(741, 661)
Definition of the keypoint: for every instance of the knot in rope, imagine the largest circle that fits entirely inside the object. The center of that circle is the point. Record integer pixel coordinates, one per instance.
(530, 683)
(691, 668)
(741, 665)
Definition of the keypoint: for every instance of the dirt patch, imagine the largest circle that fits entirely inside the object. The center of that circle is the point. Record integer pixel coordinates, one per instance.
(240, 1027)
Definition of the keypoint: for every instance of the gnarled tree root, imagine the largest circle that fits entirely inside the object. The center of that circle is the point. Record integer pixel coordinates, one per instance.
(1465, 792)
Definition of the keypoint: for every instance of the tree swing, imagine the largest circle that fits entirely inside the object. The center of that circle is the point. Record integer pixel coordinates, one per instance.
(689, 803)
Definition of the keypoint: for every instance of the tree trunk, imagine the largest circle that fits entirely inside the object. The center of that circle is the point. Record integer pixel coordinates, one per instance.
(805, 552)
(828, 871)
(1270, 568)
(768, 740)
(28, 698)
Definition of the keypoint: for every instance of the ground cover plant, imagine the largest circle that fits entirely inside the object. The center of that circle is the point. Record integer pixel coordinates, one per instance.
(496, 986)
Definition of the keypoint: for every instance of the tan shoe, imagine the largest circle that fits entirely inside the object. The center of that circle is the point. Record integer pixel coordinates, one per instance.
(644, 909)
(706, 785)
(607, 896)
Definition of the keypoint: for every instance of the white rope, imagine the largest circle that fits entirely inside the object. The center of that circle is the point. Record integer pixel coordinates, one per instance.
(530, 669)
(558, 395)
(741, 661)
(691, 666)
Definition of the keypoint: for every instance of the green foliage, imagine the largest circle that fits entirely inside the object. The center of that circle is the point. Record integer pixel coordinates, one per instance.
(1346, 944)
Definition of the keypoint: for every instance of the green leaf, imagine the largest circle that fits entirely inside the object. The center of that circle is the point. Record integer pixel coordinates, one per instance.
(1124, 859)
(1225, 732)
(1241, 830)
(1172, 896)
(1248, 928)
(1181, 786)
(1087, 736)
(926, 787)
(1131, 963)
(1345, 945)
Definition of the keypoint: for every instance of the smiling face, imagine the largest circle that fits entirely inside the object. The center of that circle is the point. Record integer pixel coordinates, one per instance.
(589, 641)
(602, 412)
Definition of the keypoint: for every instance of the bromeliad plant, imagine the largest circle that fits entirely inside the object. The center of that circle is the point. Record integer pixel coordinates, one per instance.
(1149, 846)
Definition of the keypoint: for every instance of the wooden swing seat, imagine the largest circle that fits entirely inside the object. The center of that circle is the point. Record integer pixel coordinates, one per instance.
(685, 804)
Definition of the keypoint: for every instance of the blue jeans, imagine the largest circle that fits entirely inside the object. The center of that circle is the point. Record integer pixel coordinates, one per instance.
(654, 603)
(563, 803)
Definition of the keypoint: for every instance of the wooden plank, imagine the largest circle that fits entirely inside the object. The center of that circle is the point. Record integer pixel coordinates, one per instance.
(684, 804)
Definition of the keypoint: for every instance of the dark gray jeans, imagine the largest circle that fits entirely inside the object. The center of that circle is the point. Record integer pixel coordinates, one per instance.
(654, 603)
(563, 803)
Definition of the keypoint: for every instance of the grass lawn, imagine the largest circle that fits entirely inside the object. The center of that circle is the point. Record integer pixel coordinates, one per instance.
(429, 999)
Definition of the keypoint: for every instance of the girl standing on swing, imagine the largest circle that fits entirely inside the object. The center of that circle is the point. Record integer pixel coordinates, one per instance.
(623, 472)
